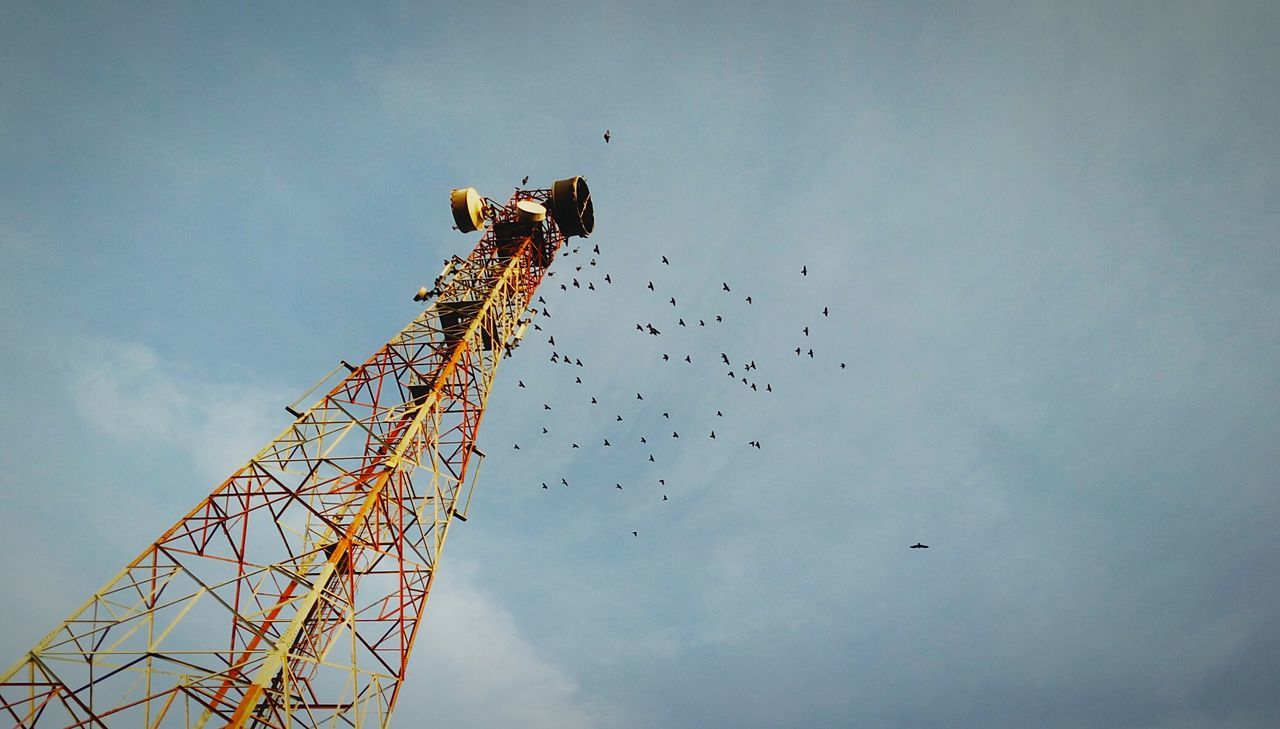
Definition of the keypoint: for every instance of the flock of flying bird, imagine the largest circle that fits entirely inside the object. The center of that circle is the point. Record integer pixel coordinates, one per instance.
(740, 370)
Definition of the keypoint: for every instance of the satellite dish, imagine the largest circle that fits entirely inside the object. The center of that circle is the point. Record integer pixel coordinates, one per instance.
(571, 207)
(468, 209)
(529, 211)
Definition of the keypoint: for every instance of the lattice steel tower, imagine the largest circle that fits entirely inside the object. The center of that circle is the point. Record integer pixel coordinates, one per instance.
(291, 595)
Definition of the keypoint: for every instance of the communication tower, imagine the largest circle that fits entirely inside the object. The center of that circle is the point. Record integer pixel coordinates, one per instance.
(291, 595)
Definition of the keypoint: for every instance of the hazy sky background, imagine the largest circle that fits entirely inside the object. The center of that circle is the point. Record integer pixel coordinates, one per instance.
(1046, 234)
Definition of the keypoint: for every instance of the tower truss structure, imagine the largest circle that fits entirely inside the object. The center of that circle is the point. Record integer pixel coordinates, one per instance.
(291, 595)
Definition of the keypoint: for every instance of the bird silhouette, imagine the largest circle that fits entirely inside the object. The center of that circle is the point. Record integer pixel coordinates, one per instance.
(682, 322)
(701, 323)
(544, 484)
(797, 351)
(596, 249)
(566, 483)
(686, 359)
(918, 545)
(713, 435)
(826, 311)
(638, 397)
(520, 383)
(635, 534)
(665, 358)
(719, 318)
(768, 387)
(544, 430)
(651, 286)
(748, 299)
(552, 340)
(719, 414)
(653, 331)
(517, 446)
(579, 380)
(593, 400)
(667, 415)
(662, 481)
(563, 287)
(607, 443)
(525, 181)
(806, 331)
(606, 136)
(577, 361)
(642, 440)
(664, 260)
(664, 497)
(675, 434)
(575, 445)
(607, 279)
(591, 286)
(811, 354)
(725, 285)
(639, 328)
(804, 270)
(651, 458)
(546, 406)
(576, 285)
(673, 301)
(724, 357)
(619, 418)
(842, 365)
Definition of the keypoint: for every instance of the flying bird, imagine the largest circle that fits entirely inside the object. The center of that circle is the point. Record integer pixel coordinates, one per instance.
(664, 260)
(525, 181)
(575, 445)
(546, 406)
(686, 359)
(673, 301)
(667, 415)
(517, 446)
(544, 484)
(806, 331)
(606, 136)
(675, 434)
(520, 383)
(596, 249)
(725, 285)
(682, 322)
(593, 400)
(591, 286)
(566, 483)
(804, 270)
(653, 331)
(811, 354)
(619, 418)
(651, 458)
(638, 396)
(642, 440)
(748, 299)
(651, 286)
(701, 323)
(842, 365)
(826, 311)
(607, 279)
(552, 340)
(719, 414)
(665, 358)
(607, 443)
(544, 430)
(918, 545)
(664, 497)
(724, 357)
(719, 318)
(579, 380)
(713, 434)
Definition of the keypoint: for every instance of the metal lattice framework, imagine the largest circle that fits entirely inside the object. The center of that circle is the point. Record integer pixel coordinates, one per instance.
(291, 595)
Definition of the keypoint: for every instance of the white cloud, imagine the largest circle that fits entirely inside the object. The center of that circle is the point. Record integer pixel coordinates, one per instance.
(128, 392)
(473, 668)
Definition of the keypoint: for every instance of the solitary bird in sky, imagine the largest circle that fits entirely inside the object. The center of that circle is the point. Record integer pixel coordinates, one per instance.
(638, 396)
(719, 414)
(806, 331)
(575, 445)
(566, 483)
(544, 430)
(520, 382)
(804, 270)
(517, 446)
(825, 311)
(607, 443)
(642, 440)
(667, 415)
(593, 400)
(724, 357)
(651, 286)
(725, 285)
(811, 354)
(651, 458)
(719, 318)
(918, 545)
(665, 358)
(619, 418)
(596, 249)
(607, 279)
(682, 322)
(525, 181)
(713, 434)
(546, 406)
(687, 359)
(664, 260)
(635, 534)
(701, 323)
(579, 379)
(673, 301)
(606, 136)
(675, 434)
(748, 299)
(664, 497)
(552, 340)
(842, 365)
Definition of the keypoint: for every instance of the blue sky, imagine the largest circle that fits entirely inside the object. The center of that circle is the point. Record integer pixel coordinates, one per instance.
(1045, 232)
